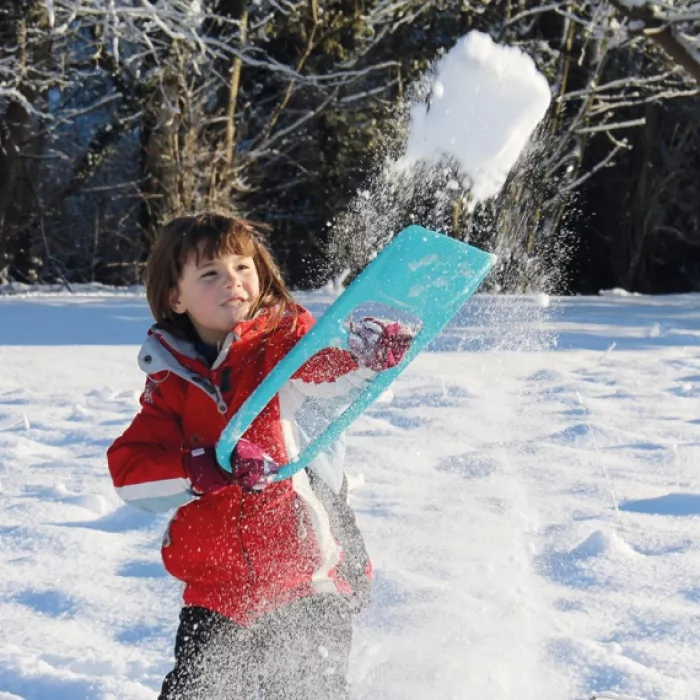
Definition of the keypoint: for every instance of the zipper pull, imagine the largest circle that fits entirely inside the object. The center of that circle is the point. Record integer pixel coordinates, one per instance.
(220, 403)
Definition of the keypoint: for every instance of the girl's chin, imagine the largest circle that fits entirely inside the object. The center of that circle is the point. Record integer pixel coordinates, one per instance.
(237, 315)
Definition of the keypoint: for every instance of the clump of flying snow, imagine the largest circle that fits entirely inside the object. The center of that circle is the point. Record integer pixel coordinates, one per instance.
(485, 103)
(468, 128)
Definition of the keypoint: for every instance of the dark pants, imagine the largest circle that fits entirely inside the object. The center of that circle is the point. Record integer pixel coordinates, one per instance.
(299, 652)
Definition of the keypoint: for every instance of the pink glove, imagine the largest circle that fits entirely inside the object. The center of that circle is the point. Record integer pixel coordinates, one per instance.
(379, 344)
(252, 469)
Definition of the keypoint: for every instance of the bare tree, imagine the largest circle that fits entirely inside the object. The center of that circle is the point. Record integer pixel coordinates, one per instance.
(24, 68)
(211, 104)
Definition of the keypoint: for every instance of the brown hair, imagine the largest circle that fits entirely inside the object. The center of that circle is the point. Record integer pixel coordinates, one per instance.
(211, 235)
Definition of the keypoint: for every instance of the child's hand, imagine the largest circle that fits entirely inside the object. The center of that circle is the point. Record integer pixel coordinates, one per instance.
(379, 344)
(205, 473)
(251, 469)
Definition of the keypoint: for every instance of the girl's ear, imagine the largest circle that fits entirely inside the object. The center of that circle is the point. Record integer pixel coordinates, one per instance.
(175, 303)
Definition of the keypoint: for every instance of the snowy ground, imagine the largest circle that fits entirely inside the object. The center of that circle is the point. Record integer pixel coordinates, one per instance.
(532, 512)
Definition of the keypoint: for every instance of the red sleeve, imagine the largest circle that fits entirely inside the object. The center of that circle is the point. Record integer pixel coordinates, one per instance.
(146, 461)
(326, 365)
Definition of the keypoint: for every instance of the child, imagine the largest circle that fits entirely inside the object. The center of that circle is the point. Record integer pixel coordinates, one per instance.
(272, 571)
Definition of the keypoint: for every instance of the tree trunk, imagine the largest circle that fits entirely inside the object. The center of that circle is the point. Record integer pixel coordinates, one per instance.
(163, 170)
(17, 193)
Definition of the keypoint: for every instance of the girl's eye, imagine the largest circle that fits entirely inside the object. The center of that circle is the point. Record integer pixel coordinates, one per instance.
(211, 273)
(243, 266)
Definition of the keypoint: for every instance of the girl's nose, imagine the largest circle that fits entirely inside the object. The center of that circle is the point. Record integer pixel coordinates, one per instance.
(232, 277)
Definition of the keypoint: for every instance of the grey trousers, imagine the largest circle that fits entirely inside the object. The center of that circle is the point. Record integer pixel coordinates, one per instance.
(299, 652)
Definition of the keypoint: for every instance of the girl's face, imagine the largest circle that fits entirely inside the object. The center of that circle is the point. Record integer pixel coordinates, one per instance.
(216, 294)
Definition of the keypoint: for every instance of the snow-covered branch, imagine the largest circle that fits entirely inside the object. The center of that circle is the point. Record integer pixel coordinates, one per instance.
(661, 24)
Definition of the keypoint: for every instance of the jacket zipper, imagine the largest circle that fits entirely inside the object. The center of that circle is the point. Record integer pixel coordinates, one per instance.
(246, 556)
(223, 408)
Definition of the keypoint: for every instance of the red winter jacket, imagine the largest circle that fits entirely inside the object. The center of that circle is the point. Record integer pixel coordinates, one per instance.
(241, 554)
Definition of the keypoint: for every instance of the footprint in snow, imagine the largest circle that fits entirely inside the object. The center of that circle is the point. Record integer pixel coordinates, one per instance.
(17, 397)
(471, 465)
(397, 419)
(94, 502)
(50, 602)
(692, 594)
(45, 680)
(597, 436)
(142, 569)
(123, 519)
(449, 397)
(138, 634)
(675, 504)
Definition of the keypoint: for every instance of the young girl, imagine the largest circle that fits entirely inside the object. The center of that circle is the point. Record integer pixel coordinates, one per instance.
(272, 571)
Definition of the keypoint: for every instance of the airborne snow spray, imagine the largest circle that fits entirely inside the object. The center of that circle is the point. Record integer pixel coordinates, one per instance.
(470, 124)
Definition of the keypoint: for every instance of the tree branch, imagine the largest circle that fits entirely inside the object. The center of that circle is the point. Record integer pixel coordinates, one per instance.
(662, 32)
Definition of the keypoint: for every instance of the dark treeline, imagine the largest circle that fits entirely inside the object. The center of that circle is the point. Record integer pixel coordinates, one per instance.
(116, 116)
